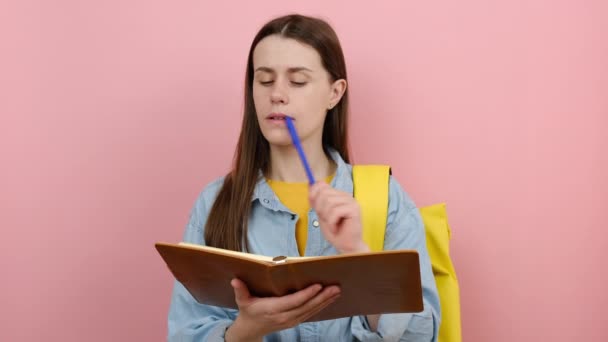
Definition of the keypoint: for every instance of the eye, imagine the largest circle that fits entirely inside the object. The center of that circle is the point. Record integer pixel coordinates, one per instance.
(266, 83)
(298, 84)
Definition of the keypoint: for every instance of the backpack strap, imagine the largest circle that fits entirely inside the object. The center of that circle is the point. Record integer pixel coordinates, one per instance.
(370, 189)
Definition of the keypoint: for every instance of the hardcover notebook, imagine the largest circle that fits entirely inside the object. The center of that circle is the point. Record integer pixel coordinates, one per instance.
(370, 283)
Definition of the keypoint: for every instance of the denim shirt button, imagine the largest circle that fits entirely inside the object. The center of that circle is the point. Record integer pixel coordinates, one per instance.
(266, 200)
(315, 223)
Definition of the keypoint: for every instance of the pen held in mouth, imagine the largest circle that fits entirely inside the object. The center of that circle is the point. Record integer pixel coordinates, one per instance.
(296, 142)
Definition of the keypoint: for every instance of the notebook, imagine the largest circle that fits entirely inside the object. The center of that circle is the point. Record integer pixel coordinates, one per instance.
(370, 283)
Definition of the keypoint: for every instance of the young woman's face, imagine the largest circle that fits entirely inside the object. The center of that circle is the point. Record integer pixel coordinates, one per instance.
(289, 79)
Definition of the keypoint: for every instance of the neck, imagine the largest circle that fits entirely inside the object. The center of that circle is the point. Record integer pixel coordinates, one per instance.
(286, 166)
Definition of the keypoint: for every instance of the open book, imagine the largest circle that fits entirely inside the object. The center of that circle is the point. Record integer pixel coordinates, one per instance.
(370, 283)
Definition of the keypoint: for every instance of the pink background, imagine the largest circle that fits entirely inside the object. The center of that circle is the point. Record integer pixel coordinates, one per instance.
(114, 115)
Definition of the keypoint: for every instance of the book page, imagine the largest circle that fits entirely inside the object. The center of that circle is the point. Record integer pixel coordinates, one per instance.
(228, 252)
(238, 254)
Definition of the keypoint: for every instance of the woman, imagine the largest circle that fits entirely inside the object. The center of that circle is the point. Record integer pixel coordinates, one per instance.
(265, 206)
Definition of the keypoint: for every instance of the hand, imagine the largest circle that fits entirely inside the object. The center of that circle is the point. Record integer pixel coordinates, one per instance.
(261, 316)
(339, 216)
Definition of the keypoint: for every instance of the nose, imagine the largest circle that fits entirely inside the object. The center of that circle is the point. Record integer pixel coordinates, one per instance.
(279, 94)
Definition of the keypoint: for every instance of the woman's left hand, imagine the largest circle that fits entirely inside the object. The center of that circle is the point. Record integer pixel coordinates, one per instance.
(339, 217)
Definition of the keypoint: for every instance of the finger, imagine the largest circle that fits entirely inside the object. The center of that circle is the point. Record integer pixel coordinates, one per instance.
(325, 197)
(341, 212)
(297, 299)
(323, 296)
(313, 312)
(336, 210)
(315, 190)
(326, 202)
(241, 292)
(318, 303)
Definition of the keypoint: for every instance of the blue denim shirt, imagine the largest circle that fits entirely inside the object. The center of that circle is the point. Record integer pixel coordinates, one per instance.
(272, 232)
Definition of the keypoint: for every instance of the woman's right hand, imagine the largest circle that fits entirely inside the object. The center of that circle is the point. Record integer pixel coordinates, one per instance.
(261, 316)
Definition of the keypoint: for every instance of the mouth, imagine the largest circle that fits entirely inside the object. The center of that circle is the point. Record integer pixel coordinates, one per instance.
(276, 117)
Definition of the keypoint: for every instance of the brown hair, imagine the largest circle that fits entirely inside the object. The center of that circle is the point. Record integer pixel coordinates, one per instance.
(227, 222)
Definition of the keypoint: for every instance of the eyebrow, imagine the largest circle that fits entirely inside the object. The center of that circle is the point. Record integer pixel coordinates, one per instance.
(289, 70)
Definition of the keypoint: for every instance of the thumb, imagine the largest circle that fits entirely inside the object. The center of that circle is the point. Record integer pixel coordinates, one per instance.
(241, 292)
(314, 190)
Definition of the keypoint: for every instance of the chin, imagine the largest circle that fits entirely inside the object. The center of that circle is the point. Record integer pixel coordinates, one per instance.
(278, 139)
(279, 142)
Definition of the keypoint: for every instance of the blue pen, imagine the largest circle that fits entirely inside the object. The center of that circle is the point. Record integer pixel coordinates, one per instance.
(296, 142)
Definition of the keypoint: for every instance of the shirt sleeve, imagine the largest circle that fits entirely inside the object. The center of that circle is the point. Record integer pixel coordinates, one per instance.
(189, 320)
(405, 230)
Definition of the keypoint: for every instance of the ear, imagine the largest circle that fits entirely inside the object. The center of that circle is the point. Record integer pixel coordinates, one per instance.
(336, 91)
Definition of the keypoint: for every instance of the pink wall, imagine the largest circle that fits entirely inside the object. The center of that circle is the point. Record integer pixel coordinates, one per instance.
(114, 114)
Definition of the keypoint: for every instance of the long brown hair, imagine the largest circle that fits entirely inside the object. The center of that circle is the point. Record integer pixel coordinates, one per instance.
(227, 222)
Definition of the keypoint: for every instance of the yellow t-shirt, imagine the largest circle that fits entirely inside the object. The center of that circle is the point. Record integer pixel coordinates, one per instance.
(295, 197)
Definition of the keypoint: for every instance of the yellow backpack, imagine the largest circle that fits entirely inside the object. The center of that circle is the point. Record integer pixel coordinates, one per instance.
(371, 191)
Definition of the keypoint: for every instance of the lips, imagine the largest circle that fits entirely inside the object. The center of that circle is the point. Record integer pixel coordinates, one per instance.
(276, 116)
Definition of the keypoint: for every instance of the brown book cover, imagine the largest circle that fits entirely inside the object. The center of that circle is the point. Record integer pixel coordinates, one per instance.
(370, 283)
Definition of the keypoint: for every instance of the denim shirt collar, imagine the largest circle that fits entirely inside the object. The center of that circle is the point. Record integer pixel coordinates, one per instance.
(342, 181)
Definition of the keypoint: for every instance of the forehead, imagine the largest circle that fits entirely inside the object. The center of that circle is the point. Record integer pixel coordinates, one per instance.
(281, 53)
